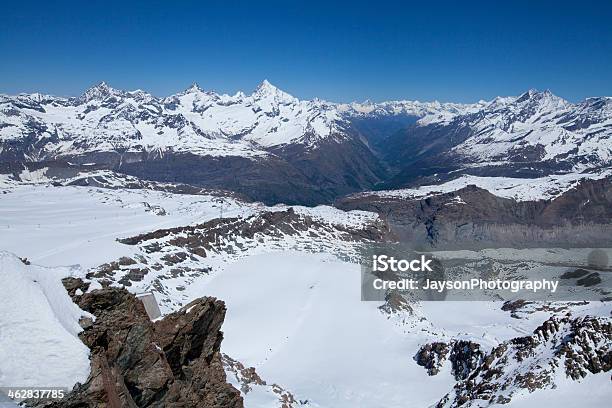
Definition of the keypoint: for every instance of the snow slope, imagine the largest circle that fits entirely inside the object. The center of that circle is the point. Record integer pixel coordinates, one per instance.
(308, 330)
(537, 127)
(39, 344)
(79, 225)
(568, 394)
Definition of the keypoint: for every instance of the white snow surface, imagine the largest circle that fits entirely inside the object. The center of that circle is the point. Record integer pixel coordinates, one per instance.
(308, 330)
(592, 391)
(519, 189)
(79, 225)
(197, 121)
(39, 344)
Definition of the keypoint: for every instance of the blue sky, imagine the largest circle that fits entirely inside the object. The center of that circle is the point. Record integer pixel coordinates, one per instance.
(341, 51)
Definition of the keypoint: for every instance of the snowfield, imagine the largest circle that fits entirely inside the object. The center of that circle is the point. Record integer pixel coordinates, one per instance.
(308, 330)
(79, 225)
(39, 344)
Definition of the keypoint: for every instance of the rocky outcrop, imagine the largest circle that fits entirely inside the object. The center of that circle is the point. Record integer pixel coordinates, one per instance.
(432, 356)
(199, 238)
(139, 363)
(463, 355)
(473, 217)
(578, 346)
(180, 251)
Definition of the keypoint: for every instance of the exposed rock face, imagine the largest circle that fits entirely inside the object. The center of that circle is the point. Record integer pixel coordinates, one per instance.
(189, 251)
(464, 356)
(577, 346)
(432, 356)
(473, 217)
(199, 238)
(139, 363)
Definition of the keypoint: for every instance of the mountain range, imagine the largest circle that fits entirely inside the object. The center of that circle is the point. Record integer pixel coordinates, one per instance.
(273, 147)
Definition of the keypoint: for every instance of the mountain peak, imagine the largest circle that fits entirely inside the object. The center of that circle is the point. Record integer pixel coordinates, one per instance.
(541, 99)
(99, 92)
(265, 85)
(194, 88)
(266, 90)
(536, 94)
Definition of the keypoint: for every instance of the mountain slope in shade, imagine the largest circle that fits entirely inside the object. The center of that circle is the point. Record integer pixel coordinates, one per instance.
(457, 215)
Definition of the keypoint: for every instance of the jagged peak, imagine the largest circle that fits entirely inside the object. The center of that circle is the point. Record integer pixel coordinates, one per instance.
(195, 87)
(266, 89)
(101, 87)
(266, 86)
(100, 91)
(534, 94)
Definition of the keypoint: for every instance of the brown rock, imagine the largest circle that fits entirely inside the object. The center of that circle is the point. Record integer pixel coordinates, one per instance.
(174, 362)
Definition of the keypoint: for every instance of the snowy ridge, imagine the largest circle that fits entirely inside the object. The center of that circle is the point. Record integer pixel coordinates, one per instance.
(428, 112)
(539, 126)
(198, 121)
(519, 189)
(195, 120)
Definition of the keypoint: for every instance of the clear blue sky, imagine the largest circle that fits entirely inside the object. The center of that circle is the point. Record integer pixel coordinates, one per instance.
(341, 51)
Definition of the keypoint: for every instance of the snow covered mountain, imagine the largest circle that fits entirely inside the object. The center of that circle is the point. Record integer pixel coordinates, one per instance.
(533, 135)
(425, 112)
(269, 145)
(274, 147)
(195, 120)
